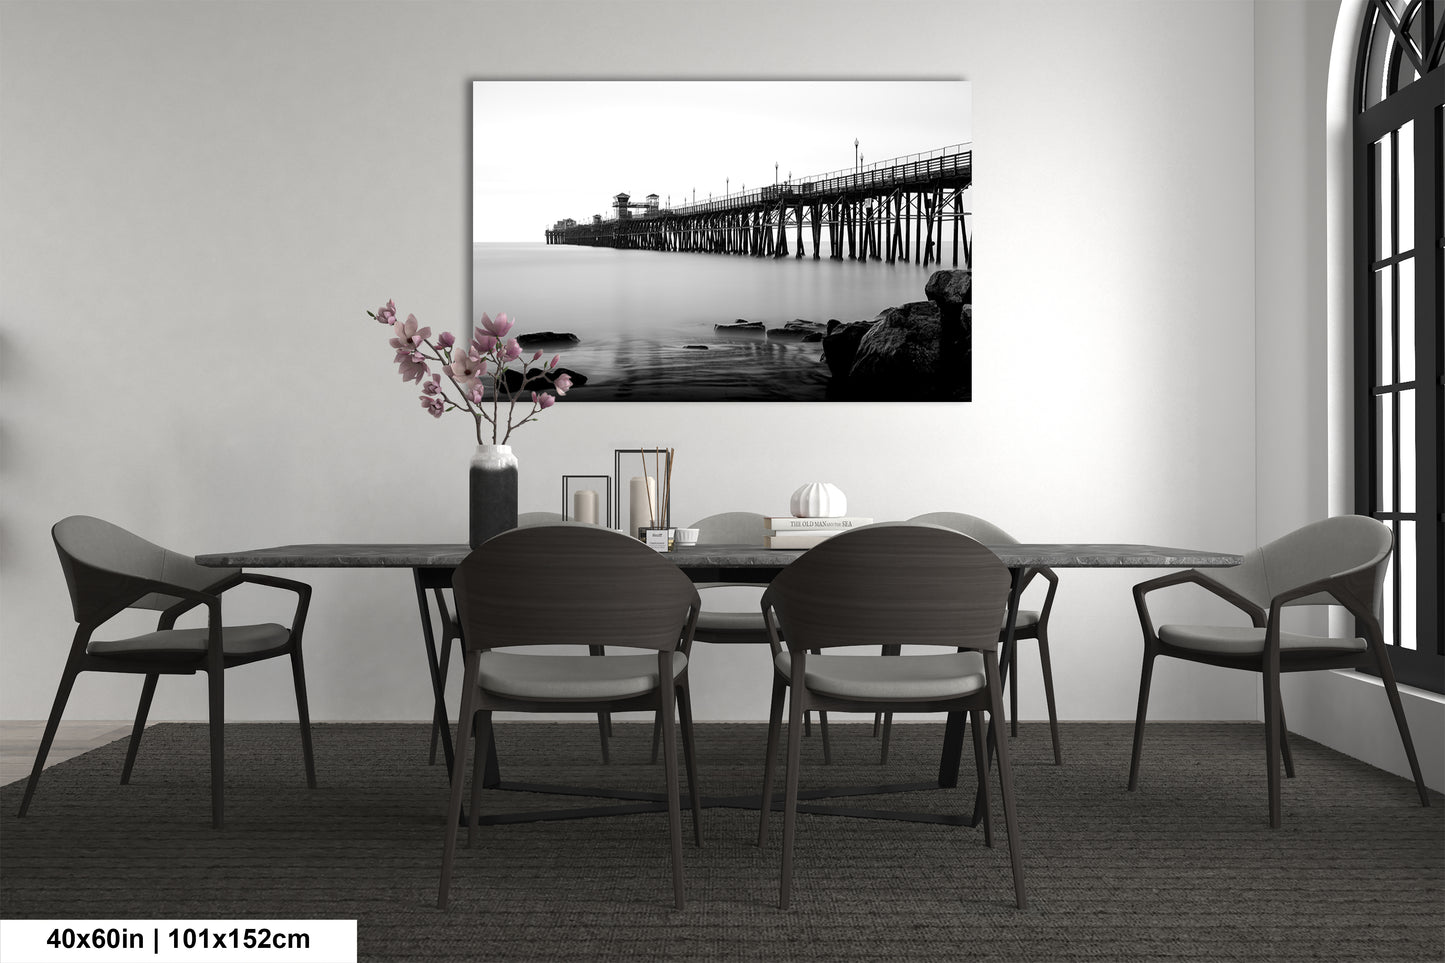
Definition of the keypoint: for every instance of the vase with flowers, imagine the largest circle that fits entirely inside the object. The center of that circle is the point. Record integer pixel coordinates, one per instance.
(478, 378)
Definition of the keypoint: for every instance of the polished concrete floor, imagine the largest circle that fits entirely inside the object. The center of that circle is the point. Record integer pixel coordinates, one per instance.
(19, 740)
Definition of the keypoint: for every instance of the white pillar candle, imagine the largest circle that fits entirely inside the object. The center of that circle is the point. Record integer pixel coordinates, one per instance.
(643, 503)
(584, 506)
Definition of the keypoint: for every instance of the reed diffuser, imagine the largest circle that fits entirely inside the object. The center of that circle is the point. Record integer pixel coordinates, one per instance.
(659, 530)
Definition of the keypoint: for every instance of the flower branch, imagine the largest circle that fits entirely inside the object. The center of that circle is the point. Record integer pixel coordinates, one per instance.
(469, 368)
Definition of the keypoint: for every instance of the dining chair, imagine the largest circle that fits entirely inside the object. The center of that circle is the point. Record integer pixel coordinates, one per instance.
(573, 586)
(733, 627)
(916, 584)
(109, 570)
(451, 635)
(1030, 624)
(1337, 561)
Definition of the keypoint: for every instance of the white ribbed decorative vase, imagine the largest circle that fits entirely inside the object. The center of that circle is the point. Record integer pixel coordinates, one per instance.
(492, 494)
(819, 500)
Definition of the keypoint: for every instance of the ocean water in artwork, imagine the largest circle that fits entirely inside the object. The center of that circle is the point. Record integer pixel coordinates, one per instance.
(647, 320)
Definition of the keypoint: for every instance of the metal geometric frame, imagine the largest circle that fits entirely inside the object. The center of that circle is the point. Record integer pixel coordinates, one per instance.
(664, 458)
(567, 492)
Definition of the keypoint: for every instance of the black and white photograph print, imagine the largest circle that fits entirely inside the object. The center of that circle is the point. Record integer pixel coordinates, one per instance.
(716, 240)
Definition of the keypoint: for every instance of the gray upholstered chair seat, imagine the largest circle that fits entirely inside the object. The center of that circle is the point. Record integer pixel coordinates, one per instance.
(1027, 620)
(575, 677)
(921, 677)
(184, 645)
(1245, 640)
(730, 627)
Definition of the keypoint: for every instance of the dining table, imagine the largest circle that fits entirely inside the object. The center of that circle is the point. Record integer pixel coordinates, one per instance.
(432, 566)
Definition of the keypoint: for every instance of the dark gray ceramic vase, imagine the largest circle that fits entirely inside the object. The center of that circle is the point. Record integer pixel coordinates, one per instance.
(492, 493)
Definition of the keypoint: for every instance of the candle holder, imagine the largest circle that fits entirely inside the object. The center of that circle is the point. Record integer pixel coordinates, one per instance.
(573, 485)
(654, 463)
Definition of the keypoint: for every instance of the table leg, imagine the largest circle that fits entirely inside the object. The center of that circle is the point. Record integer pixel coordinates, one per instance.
(1005, 658)
(953, 732)
(434, 664)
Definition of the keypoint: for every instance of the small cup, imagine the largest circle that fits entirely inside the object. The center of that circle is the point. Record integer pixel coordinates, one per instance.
(687, 536)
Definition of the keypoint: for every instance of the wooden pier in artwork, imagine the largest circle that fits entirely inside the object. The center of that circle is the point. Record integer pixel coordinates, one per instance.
(904, 209)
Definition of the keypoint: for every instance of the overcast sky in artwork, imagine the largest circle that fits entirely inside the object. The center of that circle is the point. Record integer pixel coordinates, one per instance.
(547, 150)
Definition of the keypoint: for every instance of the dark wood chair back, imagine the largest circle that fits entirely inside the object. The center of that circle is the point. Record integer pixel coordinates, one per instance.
(892, 584)
(573, 585)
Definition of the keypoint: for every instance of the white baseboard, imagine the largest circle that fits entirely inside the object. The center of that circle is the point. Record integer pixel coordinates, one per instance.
(1349, 712)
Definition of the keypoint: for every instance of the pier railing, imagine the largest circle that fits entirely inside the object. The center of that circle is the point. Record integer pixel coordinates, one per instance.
(900, 208)
(952, 164)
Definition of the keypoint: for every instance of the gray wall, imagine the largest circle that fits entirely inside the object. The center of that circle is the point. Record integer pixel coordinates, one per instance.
(201, 201)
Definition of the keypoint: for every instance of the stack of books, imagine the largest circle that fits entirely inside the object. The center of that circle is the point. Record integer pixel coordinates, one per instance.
(795, 533)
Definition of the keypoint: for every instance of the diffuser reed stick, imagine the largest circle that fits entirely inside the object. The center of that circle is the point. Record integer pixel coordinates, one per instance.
(651, 515)
(667, 498)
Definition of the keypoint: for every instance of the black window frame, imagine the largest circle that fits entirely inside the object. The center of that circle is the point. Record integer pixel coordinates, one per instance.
(1399, 81)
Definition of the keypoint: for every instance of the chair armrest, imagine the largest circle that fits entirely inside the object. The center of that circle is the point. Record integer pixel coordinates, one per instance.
(275, 581)
(1342, 587)
(303, 598)
(770, 622)
(1196, 577)
(1337, 586)
(685, 646)
(169, 616)
(189, 599)
(298, 620)
(126, 590)
(1048, 575)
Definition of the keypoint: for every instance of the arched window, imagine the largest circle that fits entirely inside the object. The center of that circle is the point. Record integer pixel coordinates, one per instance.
(1399, 264)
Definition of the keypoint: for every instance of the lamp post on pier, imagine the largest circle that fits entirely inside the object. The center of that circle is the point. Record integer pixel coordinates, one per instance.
(857, 161)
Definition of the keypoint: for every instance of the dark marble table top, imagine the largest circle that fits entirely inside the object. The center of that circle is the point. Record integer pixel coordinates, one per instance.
(441, 555)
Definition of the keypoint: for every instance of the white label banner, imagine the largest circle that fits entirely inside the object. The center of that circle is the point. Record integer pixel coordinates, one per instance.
(133, 941)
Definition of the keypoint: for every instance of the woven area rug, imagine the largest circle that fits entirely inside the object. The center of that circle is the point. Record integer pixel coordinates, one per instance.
(1186, 868)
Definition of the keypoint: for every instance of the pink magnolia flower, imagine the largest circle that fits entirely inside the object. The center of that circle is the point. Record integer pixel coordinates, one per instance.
(478, 393)
(433, 385)
(446, 339)
(387, 313)
(556, 358)
(409, 333)
(483, 343)
(466, 370)
(537, 354)
(512, 352)
(413, 367)
(433, 404)
(497, 328)
(543, 400)
(563, 383)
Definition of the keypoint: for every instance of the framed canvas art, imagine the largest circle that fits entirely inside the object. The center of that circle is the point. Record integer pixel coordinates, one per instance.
(730, 240)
